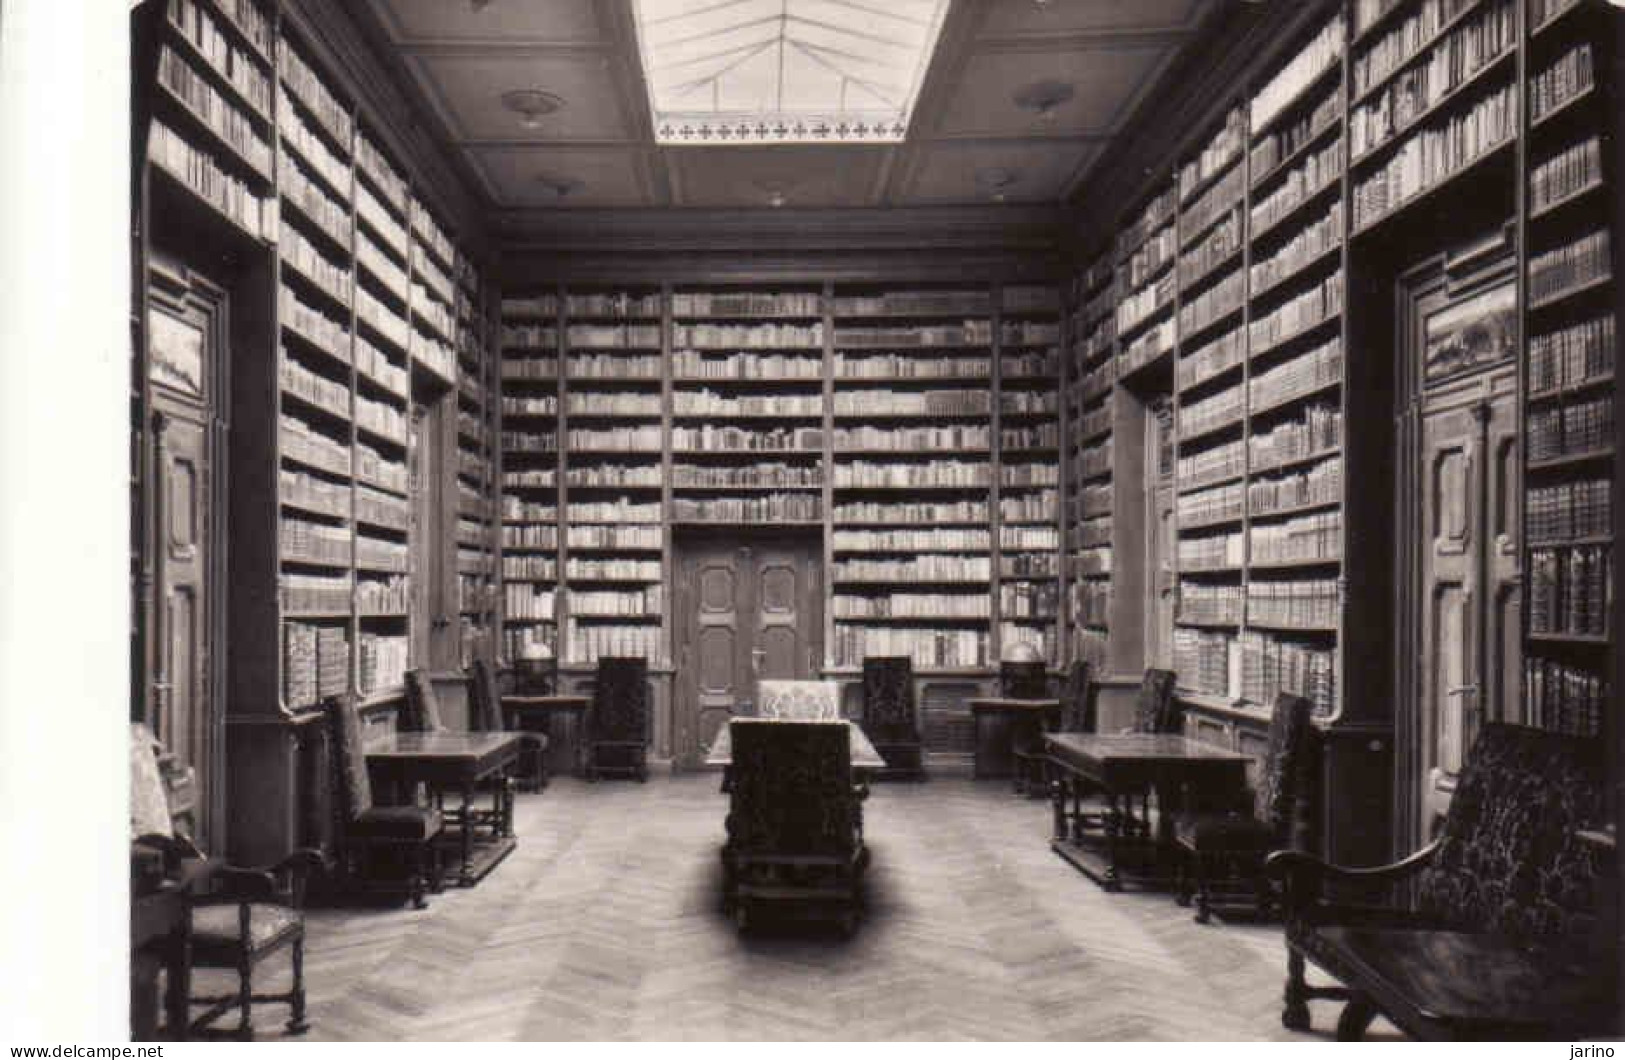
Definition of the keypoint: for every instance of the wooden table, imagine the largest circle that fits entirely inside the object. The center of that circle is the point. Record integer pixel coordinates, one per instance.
(864, 755)
(459, 760)
(535, 714)
(1171, 765)
(997, 720)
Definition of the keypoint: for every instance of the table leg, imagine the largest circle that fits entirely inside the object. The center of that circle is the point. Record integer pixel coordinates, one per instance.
(467, 879)
(1058, 802)
(1112, 879)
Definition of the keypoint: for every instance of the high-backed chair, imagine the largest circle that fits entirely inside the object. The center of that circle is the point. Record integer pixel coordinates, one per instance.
(238, 917)
(1155, 709)
(795, 822)
(1026, 679)
(889, 715)
(369, 834)
(1239, 839)
(485, 714)
(1033, 772)
(1512, 930)
(799, 700)
(423, 714)
(618, 721)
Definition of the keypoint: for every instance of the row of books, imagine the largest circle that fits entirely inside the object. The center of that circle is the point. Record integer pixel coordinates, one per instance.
(1097, 531)
(910, 366)
(1224, 193)
(1285, 140)
(522, 600)
(918, 513)
(614, 475)
(313, 494)
(927, 648)
(1091, 602)
(1572, 355)
(1093, 561)
(1305, 374)
(1429, 157)
(382, 242)
(1028, 507)
(381, 418)
(1576, 426)
(1151, 257)
(1029, 599)
(623, 537)
(914, 303)
(1203, 602)
(1271, 664)
(1224, 148)
(378, 366)
(613, 336)
(1210, 465)
(880, 403)
(313, 93)
(231, 125)
(618, 570)
(613, 366)
(1204, 362)
(726, 438)
(307, 593)
(1040, 538)
(1203, 660)
(770, 507)
(912, 605)
(619, 511)
(315, 663)
(1320, 484)
(691, 365)
(1318, 55)
(616, 604)
(388, 596)
(1569, 510)
(241, 67)
(377, 168)
(384, 661)
(757, 474)
(588, 642)
(1574, 264)
(538, 405)
(711, 403)
(1221, 408)
(1318, 170)
(313, 151)
(1094, 459)
(933, 567)
(1308, 603)
(1153, 215)
(1037, 364)
(386, 471)
(1573, 169)
(1043, 565)
(1296, 315)
(612, 403)
(1570, 589)
(313, 202)
(976, 333)
(1025, 475)
(1214, 302)
(202, 175)
(915, 439)
(1213, 551)
(1320, 428)
(516, 442)
(318, 390)
(303, 541)
(1311, 241)
(1565, 698)
(1136, 308)
(955, 473)
(382, 509)
(1570, 76)
(643, 438)
(530, 536)
(383, 319)
(530, 568)
(1038, 436)
(737, 303)
(740, 336)
(912, 541)
(1029, 403)
(1318, 536)
(377, 554)
(1218, 246)
(1380, 57)
(305, 443)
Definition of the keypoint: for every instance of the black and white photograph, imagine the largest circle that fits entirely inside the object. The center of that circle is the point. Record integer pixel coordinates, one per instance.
(812, 520)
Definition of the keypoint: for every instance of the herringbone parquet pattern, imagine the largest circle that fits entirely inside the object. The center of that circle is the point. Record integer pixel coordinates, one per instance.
(605, 925)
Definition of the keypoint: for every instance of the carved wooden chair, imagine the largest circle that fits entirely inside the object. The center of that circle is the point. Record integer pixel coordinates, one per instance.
(238, 917)
(1511, 930)
(795, 821)
(369, 834)
(799, 700)
(1155, 711)
(890, 719)
(1274, 818)
(1026, 679)
(1077, 716)
(423, 714)
(618, 721)
(485, 712)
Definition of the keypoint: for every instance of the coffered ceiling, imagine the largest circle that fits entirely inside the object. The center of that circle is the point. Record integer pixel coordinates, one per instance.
(1020, 99)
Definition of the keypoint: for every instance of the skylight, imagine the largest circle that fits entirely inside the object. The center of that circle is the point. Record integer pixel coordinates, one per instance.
(785, 71)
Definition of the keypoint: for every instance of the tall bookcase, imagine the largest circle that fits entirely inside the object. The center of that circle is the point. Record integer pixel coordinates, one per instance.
(1090, 374)
(1262, 262)
(261, 166)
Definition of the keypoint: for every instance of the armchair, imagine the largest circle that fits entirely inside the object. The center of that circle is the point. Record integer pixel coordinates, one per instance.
(889, 717)
(795, 822)
(423, 715)
(618, 722)
(368, 833)
(1511, 931)
(1241, 838)
(485, 712)
(235, 917)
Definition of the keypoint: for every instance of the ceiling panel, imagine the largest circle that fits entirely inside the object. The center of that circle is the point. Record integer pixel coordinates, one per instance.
(529, 176)
(470, 88)
(508, 21)
(807, 176)
(944, 172)
(1102, 80)
(1009, 18)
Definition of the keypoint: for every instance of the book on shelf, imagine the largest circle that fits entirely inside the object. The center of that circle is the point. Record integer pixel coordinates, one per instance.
(711, 335)
(803, 507)
(1269, 664)
(1571, 265)
(757, 475)
(912, 513)
(1570, 590)
(1572, 356)
(1566, 698)
(1211, 603)
(1322, 52)
(1576, 426)
(939, 473)
(1427, 158)
(1572, 75)
(745, 303)
(203, 176)
(927, 648)
(1303, 603)
(233, 126)
(613, 537)
(1568, 171)
(930, 567)
(970, 333)
(910, 366)
(1583, 508)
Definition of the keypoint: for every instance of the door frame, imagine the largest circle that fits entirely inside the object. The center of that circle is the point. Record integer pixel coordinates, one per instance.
(173, 286)
(684, 604)
(1476, 267)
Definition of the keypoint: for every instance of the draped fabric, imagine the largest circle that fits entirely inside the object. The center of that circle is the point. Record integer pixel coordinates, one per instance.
(800, 700)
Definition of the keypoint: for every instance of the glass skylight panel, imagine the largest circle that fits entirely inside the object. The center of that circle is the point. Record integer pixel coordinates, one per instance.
(785, 71)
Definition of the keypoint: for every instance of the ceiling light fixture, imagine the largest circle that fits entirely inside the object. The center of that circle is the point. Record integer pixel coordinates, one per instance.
(532, 105)
(1044, 98)
(997, 182)
(561, 187)
(777, 191)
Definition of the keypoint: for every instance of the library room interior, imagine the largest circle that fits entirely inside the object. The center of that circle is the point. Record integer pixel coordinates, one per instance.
(873, 519)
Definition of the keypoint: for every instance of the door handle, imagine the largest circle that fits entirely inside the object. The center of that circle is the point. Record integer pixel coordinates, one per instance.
(756, 657)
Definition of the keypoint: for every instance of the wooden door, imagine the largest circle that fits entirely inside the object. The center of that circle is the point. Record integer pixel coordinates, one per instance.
(745, 610)
(1466, 598)
(182, 551)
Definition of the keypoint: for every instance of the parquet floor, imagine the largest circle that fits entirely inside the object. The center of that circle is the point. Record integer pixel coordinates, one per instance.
(605, 925)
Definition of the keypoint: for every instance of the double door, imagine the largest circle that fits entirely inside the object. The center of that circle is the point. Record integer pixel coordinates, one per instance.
(745, 609)
(1463, 594)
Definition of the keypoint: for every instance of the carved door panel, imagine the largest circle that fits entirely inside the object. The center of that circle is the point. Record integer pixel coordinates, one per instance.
(1469, 620)
(744, 612)
(1161, 548)
(185, 444)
